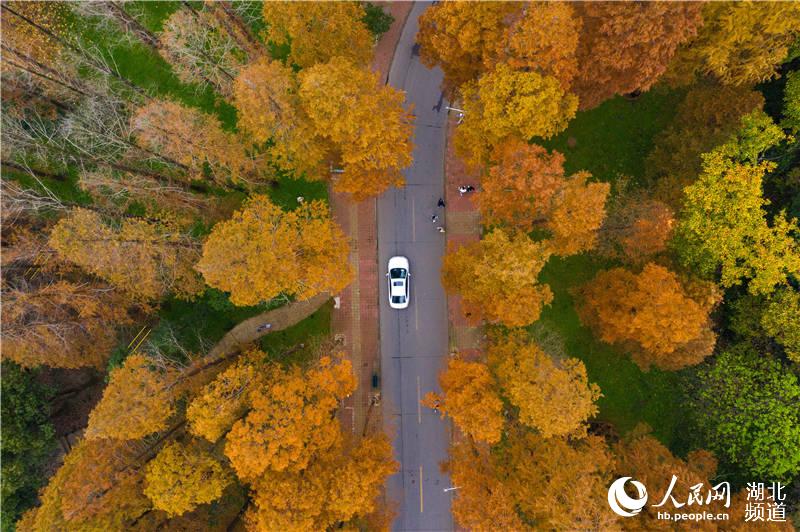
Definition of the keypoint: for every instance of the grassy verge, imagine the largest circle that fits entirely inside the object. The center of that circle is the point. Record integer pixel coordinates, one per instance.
(285, 346)
(610, 141)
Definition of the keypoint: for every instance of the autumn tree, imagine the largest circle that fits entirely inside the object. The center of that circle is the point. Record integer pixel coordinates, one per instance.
(222, 402)
(483, 502)
(469, 397)
(95, 489)
(791, 102)
(136, 402)
(200, 49)
(558, 483)
(708, 116)
(724, 227)
(61, 323)
(659, 319)
(740, 43)
(339, 485)
(641, 456)
(780, 321)
(263, 251)
(290, 421)
(144, 259)
(497, 278)
(182, 477)
(526, 189)
(553, 396)
(747, 412)
(543, 37)
(636, 229)
(366, 122)
(266, 96)
(507, 103)
(460, 37)
(626, 46)
(194, 139)
(317, 32)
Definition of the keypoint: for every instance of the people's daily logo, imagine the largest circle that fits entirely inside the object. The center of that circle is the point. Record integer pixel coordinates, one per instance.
(621, 503)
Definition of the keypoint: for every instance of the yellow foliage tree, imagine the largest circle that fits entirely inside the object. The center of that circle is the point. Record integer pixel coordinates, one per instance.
(553, 396)
(265, 95)
(506, 103)
(636, 229)
(136, 402)
(497, 278)
(578, 213)
(263, 251)
(290, 421)
(651, 314)
(482, 502)
(222, 402)
(558, 483)
(341, 484)
(193, 139)
(470, 399)
(740, 43)
(319, 31)
(364, 120)
(144, 259)
(183, 477)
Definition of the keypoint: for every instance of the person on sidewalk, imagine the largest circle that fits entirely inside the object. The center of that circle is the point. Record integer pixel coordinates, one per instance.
(440, 229)
(440, 203)
(434, 218)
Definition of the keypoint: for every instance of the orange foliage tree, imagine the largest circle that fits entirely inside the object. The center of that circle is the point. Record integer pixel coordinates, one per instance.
(263, 251)
(136, 402)
(194, 139)
(461, 37)
(647, 460)
(182, 477)
(470, 399)
(526, 188)
(553, 396)
(506, 103)
(265, 94)
(636, 230)
(319, 31)
(659, 319)
(342, 483)
(543, 37)
(626, 46)
(290, 421)
(558, 483)
(62, 323)
(497, 278)
(144, 259)
(483, 502)
(364, 120)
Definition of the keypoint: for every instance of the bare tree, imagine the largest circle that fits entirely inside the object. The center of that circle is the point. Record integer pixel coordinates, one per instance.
(115, 16)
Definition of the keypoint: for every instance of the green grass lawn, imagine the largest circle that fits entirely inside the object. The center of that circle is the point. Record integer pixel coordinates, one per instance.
(284, 346)
(615, 138)
(609, 141)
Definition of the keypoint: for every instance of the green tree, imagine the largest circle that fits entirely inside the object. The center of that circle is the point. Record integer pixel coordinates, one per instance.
(791, 102)
(781, 321)
(27, 440)
(746, 405)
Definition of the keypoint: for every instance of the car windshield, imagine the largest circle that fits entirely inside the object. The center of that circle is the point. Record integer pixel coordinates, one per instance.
(398, 273)
(398, 299)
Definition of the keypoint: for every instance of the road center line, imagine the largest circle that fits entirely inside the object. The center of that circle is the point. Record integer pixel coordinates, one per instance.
(421, 500)
(419, 403)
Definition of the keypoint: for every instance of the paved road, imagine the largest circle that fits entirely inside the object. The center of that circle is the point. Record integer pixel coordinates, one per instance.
(414, 341)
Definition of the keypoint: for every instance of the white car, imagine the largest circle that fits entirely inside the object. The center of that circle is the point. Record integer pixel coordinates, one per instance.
(398, 276)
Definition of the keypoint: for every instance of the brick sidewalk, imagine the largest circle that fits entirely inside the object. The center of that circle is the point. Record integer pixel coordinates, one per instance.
(355, 323)
(463, 226)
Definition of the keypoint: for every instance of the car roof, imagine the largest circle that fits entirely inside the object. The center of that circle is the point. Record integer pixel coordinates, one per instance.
(398, 262)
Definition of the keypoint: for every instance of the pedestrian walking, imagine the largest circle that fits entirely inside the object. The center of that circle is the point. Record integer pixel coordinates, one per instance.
(265, 327)
(462, 189)
(434, 218)
(440, 203)
(470, 188)
(440, 229)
